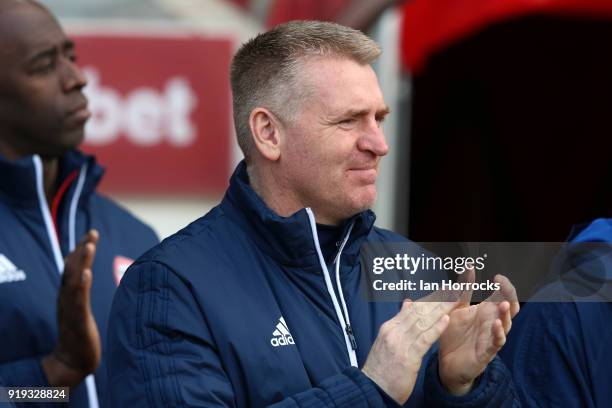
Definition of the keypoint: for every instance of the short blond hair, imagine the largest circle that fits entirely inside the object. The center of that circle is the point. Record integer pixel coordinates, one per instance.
(265, 70)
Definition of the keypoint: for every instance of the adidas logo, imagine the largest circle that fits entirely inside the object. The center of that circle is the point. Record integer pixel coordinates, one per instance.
(281, 336)
(9, 272)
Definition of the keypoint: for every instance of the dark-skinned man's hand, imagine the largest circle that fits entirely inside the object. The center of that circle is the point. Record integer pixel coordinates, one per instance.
(77, 353)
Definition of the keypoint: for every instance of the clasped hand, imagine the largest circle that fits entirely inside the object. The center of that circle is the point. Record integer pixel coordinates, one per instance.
(469, 337)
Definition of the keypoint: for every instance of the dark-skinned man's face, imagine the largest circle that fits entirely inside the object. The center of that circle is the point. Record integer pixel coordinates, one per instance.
(42, 108)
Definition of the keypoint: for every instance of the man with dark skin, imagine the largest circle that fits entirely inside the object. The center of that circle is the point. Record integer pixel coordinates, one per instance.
(41, 95)
(42, 116)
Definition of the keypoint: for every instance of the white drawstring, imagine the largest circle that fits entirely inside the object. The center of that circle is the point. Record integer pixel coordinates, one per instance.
(90, 382)
(73, 207)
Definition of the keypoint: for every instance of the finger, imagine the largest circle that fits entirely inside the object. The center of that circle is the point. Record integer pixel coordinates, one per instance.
(509, 293)
(498, 339)
(441, 296)
(89, 253)
(404, 310)
(430, 309)
(90, 236)
(79, 259)
(427, 338)
(505, 289)
(505, 316)
(499, 336)
(465, 296)
(431, 301)
(424, 316)
(72, 273)
(407, 304)
(86, 281)
(78, 295)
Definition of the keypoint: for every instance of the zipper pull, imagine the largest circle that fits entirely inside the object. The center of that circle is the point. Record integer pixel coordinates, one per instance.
(349, 332)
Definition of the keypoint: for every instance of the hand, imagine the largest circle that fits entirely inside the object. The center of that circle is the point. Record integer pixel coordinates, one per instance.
(474, 335)
(77, 352)
(397, 353)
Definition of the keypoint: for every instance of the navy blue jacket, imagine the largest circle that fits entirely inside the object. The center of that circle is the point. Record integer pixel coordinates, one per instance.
(5, 404)
(560, 353)
(235, 310)
(31, 262)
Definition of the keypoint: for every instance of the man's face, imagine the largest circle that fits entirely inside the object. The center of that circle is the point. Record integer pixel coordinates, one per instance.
(331, 152)
(42, 108)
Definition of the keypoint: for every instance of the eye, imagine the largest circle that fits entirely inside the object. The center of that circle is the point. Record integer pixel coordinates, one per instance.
(71, 56)
(44, 66)
(380, 120)
(347, 122)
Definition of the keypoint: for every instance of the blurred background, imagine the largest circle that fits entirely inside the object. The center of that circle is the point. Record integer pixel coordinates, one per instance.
(501, 124)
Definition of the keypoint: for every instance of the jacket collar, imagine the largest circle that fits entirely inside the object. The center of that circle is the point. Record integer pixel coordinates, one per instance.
(18, 180)
(289, 240)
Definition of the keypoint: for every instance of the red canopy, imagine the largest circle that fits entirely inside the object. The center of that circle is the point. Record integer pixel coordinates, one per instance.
(430, 25)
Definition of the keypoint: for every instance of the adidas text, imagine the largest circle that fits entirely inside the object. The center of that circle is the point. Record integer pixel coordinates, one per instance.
(281, 336)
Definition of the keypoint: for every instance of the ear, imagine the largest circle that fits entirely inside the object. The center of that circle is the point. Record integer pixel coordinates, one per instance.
(266, 132)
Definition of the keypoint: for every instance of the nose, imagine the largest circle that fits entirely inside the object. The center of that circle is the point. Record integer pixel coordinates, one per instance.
(72, 76)
(373, 140)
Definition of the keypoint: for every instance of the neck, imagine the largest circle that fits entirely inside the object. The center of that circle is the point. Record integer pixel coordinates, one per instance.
(50, 168)
(50, 174)
(283, 201)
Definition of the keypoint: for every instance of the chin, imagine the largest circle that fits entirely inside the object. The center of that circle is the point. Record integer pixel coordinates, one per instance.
(363, 202)
(60, 149)
(72, 139)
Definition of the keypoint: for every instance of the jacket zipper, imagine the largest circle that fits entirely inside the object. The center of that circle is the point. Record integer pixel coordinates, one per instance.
(347, 331)
(348, 328)
(46, 214)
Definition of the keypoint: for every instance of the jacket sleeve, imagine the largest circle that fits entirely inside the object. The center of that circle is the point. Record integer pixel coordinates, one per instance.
(494, 388)
(160, 352)
(351, 388)
(550, 362)
(25, 372)
(5, 404)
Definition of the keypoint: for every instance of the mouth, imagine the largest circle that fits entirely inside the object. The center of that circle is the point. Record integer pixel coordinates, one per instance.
(79, 115)
(367, 174)
(365, 167)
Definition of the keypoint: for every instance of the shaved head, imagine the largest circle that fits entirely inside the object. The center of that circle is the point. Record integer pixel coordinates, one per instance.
(42, 107)
(7, 4)
(7, 21)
